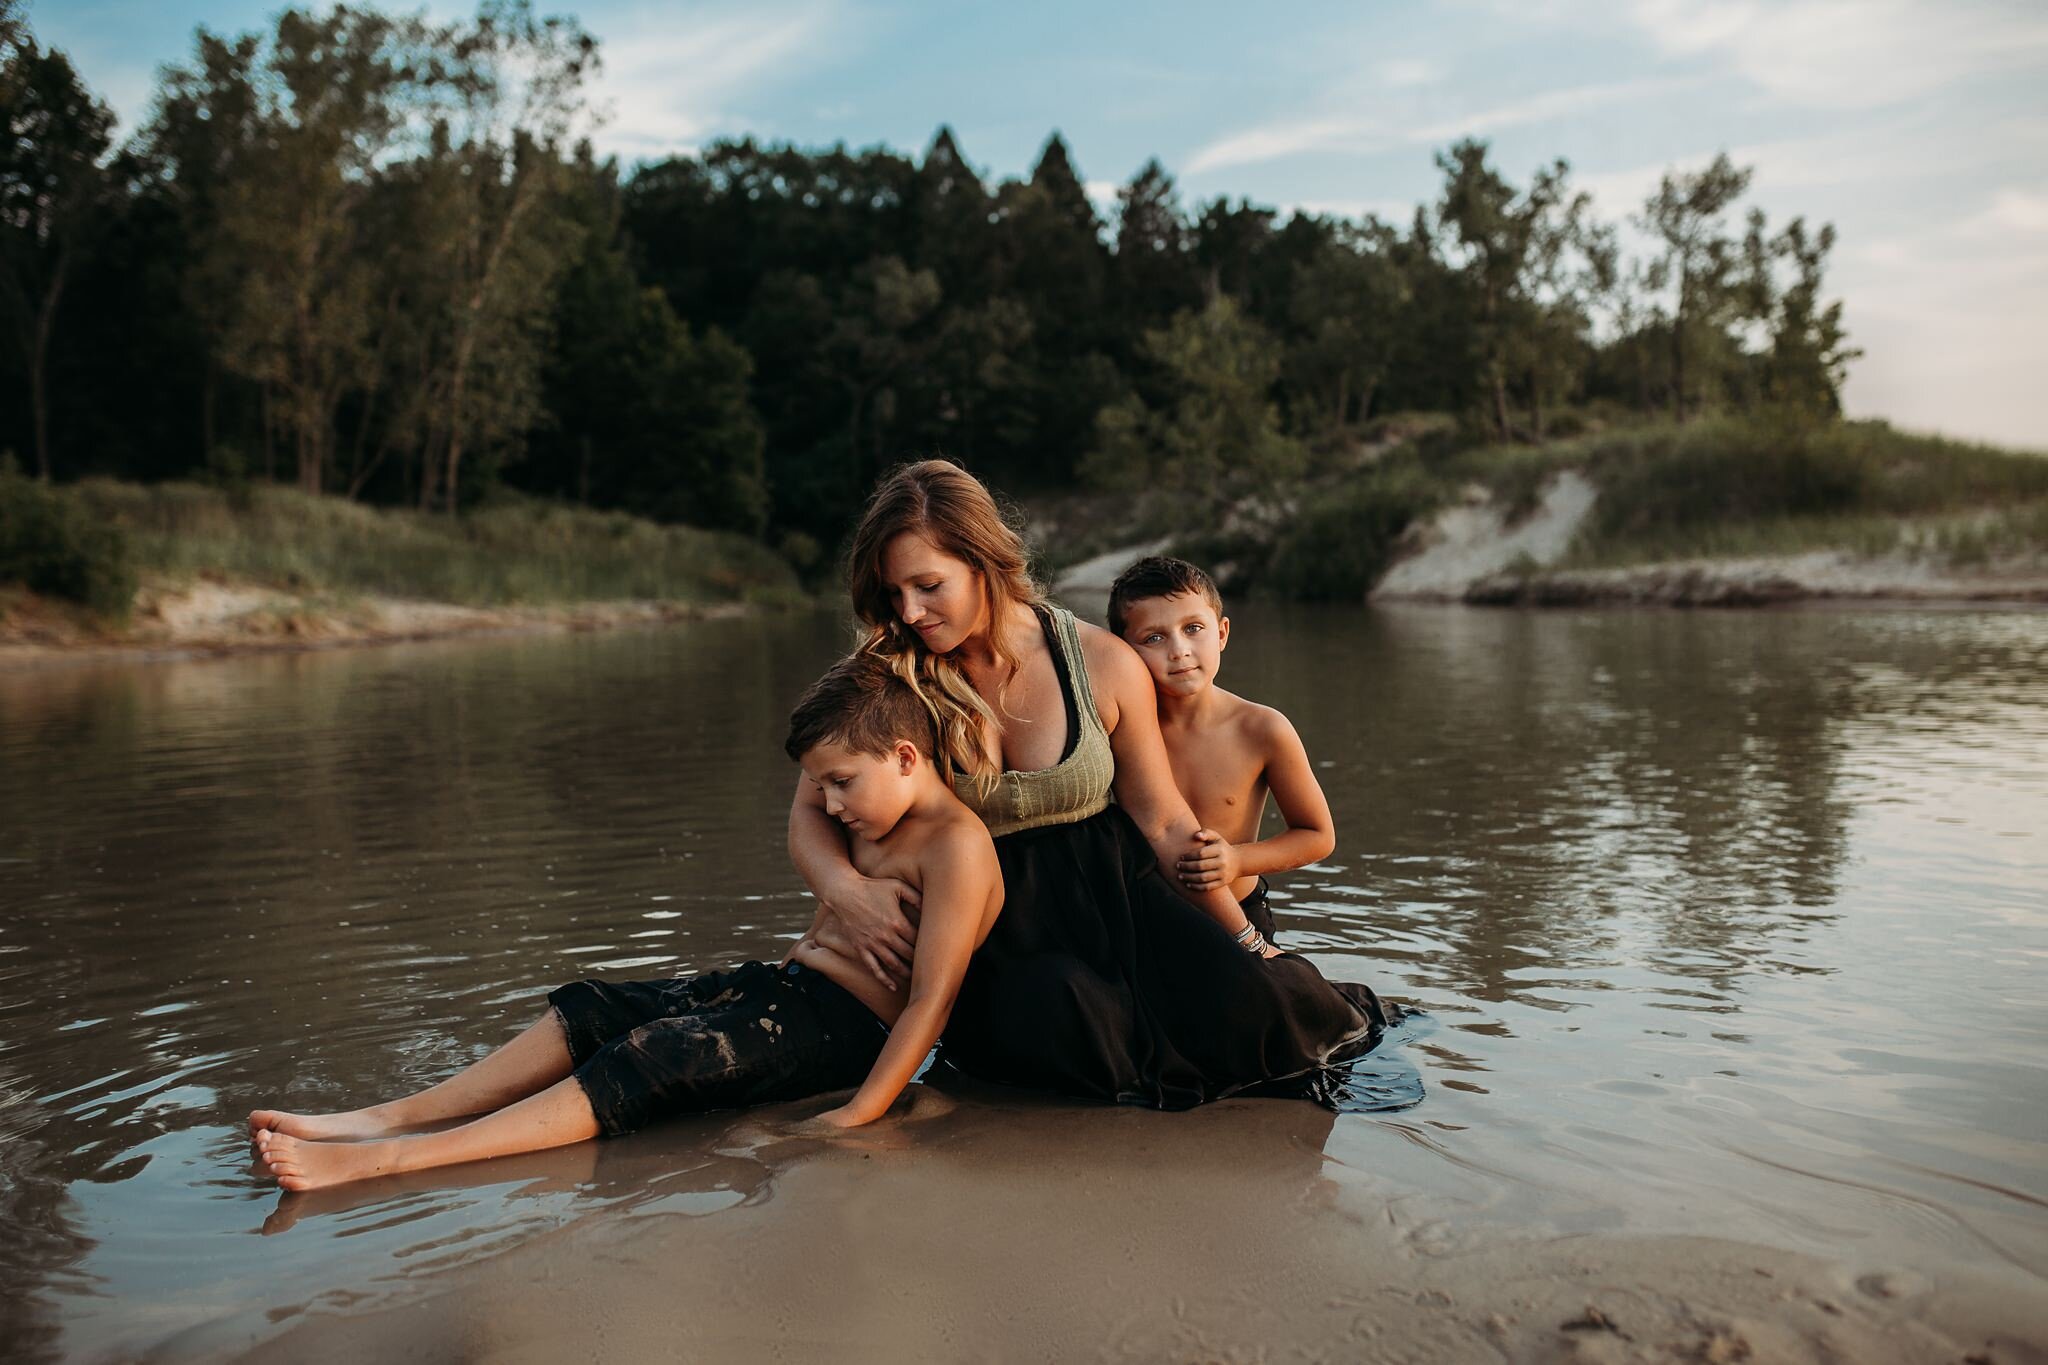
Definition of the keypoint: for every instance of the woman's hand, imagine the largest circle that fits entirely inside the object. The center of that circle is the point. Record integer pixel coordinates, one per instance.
(864, 920)
(1211, 861)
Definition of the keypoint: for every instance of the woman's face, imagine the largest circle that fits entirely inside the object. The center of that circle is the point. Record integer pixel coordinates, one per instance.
(936, 595)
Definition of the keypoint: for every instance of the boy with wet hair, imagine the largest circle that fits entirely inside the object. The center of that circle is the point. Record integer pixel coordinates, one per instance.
(609, 1057)
(1227, 753)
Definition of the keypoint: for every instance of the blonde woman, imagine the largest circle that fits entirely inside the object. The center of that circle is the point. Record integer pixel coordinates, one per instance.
(1104, 977)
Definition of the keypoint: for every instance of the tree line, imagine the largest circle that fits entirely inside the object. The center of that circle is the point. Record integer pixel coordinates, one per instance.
(376, 256)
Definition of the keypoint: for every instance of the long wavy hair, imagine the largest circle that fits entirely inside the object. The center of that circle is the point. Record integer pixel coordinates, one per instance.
(953, 510)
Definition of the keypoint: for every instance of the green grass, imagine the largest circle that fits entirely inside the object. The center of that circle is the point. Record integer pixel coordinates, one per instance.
(52, 544)
(517, 552)
(1750, 486)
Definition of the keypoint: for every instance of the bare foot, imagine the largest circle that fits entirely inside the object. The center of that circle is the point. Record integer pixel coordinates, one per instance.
(354, 1126)
(299, 1164)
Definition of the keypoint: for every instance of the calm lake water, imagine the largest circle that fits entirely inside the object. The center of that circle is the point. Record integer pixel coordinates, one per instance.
(1729, 924)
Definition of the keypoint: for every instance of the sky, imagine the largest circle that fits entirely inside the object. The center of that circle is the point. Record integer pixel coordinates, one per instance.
(1919, 128)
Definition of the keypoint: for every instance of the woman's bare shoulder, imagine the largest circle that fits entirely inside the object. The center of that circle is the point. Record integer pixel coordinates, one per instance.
(1111, 662)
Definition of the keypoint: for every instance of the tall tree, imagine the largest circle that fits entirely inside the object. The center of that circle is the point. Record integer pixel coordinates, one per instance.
(1219, 438)
(951, 228)
(1698, 272)
(518, 96)
(204, 130)
(334, 95)
(1809, 352)
(1347, 310)
(53, 188)
(1154, 276)
(1497, 228)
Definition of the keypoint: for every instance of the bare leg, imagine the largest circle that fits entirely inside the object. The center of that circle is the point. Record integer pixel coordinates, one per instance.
(528, 1064)
(558, 1115)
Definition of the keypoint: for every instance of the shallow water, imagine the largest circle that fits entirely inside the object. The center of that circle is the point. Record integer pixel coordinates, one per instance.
(1726, 924)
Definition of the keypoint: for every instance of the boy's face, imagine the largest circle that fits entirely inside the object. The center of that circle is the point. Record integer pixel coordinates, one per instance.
(868, 793)
(1180, 638)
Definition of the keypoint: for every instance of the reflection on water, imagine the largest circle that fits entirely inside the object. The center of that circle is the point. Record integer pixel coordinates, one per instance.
(1734, 903)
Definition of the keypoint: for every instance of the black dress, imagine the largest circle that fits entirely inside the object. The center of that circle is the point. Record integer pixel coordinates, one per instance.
(1098, 980)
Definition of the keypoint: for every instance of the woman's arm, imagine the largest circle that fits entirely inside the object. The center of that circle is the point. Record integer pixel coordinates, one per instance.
(1144, 779)
(860, 917)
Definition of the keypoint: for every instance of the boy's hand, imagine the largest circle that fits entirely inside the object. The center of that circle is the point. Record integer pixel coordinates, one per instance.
(830, 1122)
(1211, 861)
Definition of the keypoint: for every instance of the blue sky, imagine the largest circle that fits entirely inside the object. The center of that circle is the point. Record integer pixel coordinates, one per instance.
(1919, 129)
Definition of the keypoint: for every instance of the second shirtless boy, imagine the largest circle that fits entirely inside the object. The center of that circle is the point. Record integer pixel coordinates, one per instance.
(1227, 753)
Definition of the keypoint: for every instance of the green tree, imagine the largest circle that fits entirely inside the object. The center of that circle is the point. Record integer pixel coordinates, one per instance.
(1219, 437)
(332, 99)
(1571, 272)
(1698, 273)
(1498, 228)
(53, 191)
(518, 93)
(1809, 351)
(643, 415)
(1347, 309)
(1154, 276)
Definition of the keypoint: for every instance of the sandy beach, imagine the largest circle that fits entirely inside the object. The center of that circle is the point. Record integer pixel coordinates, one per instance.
(214, 618)
(993, 1228)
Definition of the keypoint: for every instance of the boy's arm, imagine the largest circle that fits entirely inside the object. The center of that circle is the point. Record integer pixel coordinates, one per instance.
(1310, 834)
(1144, 778)
(958, 881)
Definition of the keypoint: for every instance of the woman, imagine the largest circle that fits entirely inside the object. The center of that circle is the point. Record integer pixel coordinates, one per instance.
(1103, 977)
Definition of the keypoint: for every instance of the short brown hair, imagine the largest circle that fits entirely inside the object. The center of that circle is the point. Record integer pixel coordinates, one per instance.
(862, 704)
(1158, 576)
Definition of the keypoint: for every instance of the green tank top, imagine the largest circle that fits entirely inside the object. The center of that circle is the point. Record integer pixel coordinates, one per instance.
(1072, 789)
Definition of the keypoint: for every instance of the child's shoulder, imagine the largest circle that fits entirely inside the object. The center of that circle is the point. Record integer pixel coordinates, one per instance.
(1258, 724)
(956, 835)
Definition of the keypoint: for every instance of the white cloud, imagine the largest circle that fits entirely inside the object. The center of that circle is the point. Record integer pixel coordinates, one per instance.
(2012, 212)
(1373, 130)
(1102, 193)
(672, 81)
(1407, 72)
(1831, 54)
(1846, 53)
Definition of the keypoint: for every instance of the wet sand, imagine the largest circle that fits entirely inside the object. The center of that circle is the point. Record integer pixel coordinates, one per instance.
(1000, 1227)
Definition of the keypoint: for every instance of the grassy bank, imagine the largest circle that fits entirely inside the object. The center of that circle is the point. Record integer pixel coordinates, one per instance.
(91, 542)
(1733, 488)
(1720, 488)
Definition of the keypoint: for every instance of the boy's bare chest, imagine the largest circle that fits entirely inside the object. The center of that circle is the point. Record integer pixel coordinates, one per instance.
(895, 858)
(1223, 784)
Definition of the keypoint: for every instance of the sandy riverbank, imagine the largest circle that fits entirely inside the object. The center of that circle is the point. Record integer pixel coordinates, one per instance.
(214, 618)
(1249, 1230)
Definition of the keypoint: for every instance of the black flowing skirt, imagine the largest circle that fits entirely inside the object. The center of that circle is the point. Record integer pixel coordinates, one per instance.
(1098, 980)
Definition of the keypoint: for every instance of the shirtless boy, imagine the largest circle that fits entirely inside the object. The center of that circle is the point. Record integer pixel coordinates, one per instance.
(1227, 753)
(610, 1056)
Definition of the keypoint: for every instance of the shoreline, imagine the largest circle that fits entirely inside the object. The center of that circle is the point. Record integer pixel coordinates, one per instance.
(1820, 577)
(208, 619)
(1030, 1228)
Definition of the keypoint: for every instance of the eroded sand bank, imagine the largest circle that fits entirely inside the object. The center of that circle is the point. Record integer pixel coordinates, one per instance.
(1006, 1228)
(208, 618)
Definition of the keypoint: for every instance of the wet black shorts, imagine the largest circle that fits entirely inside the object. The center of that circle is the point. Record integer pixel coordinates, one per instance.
(753, 1035)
